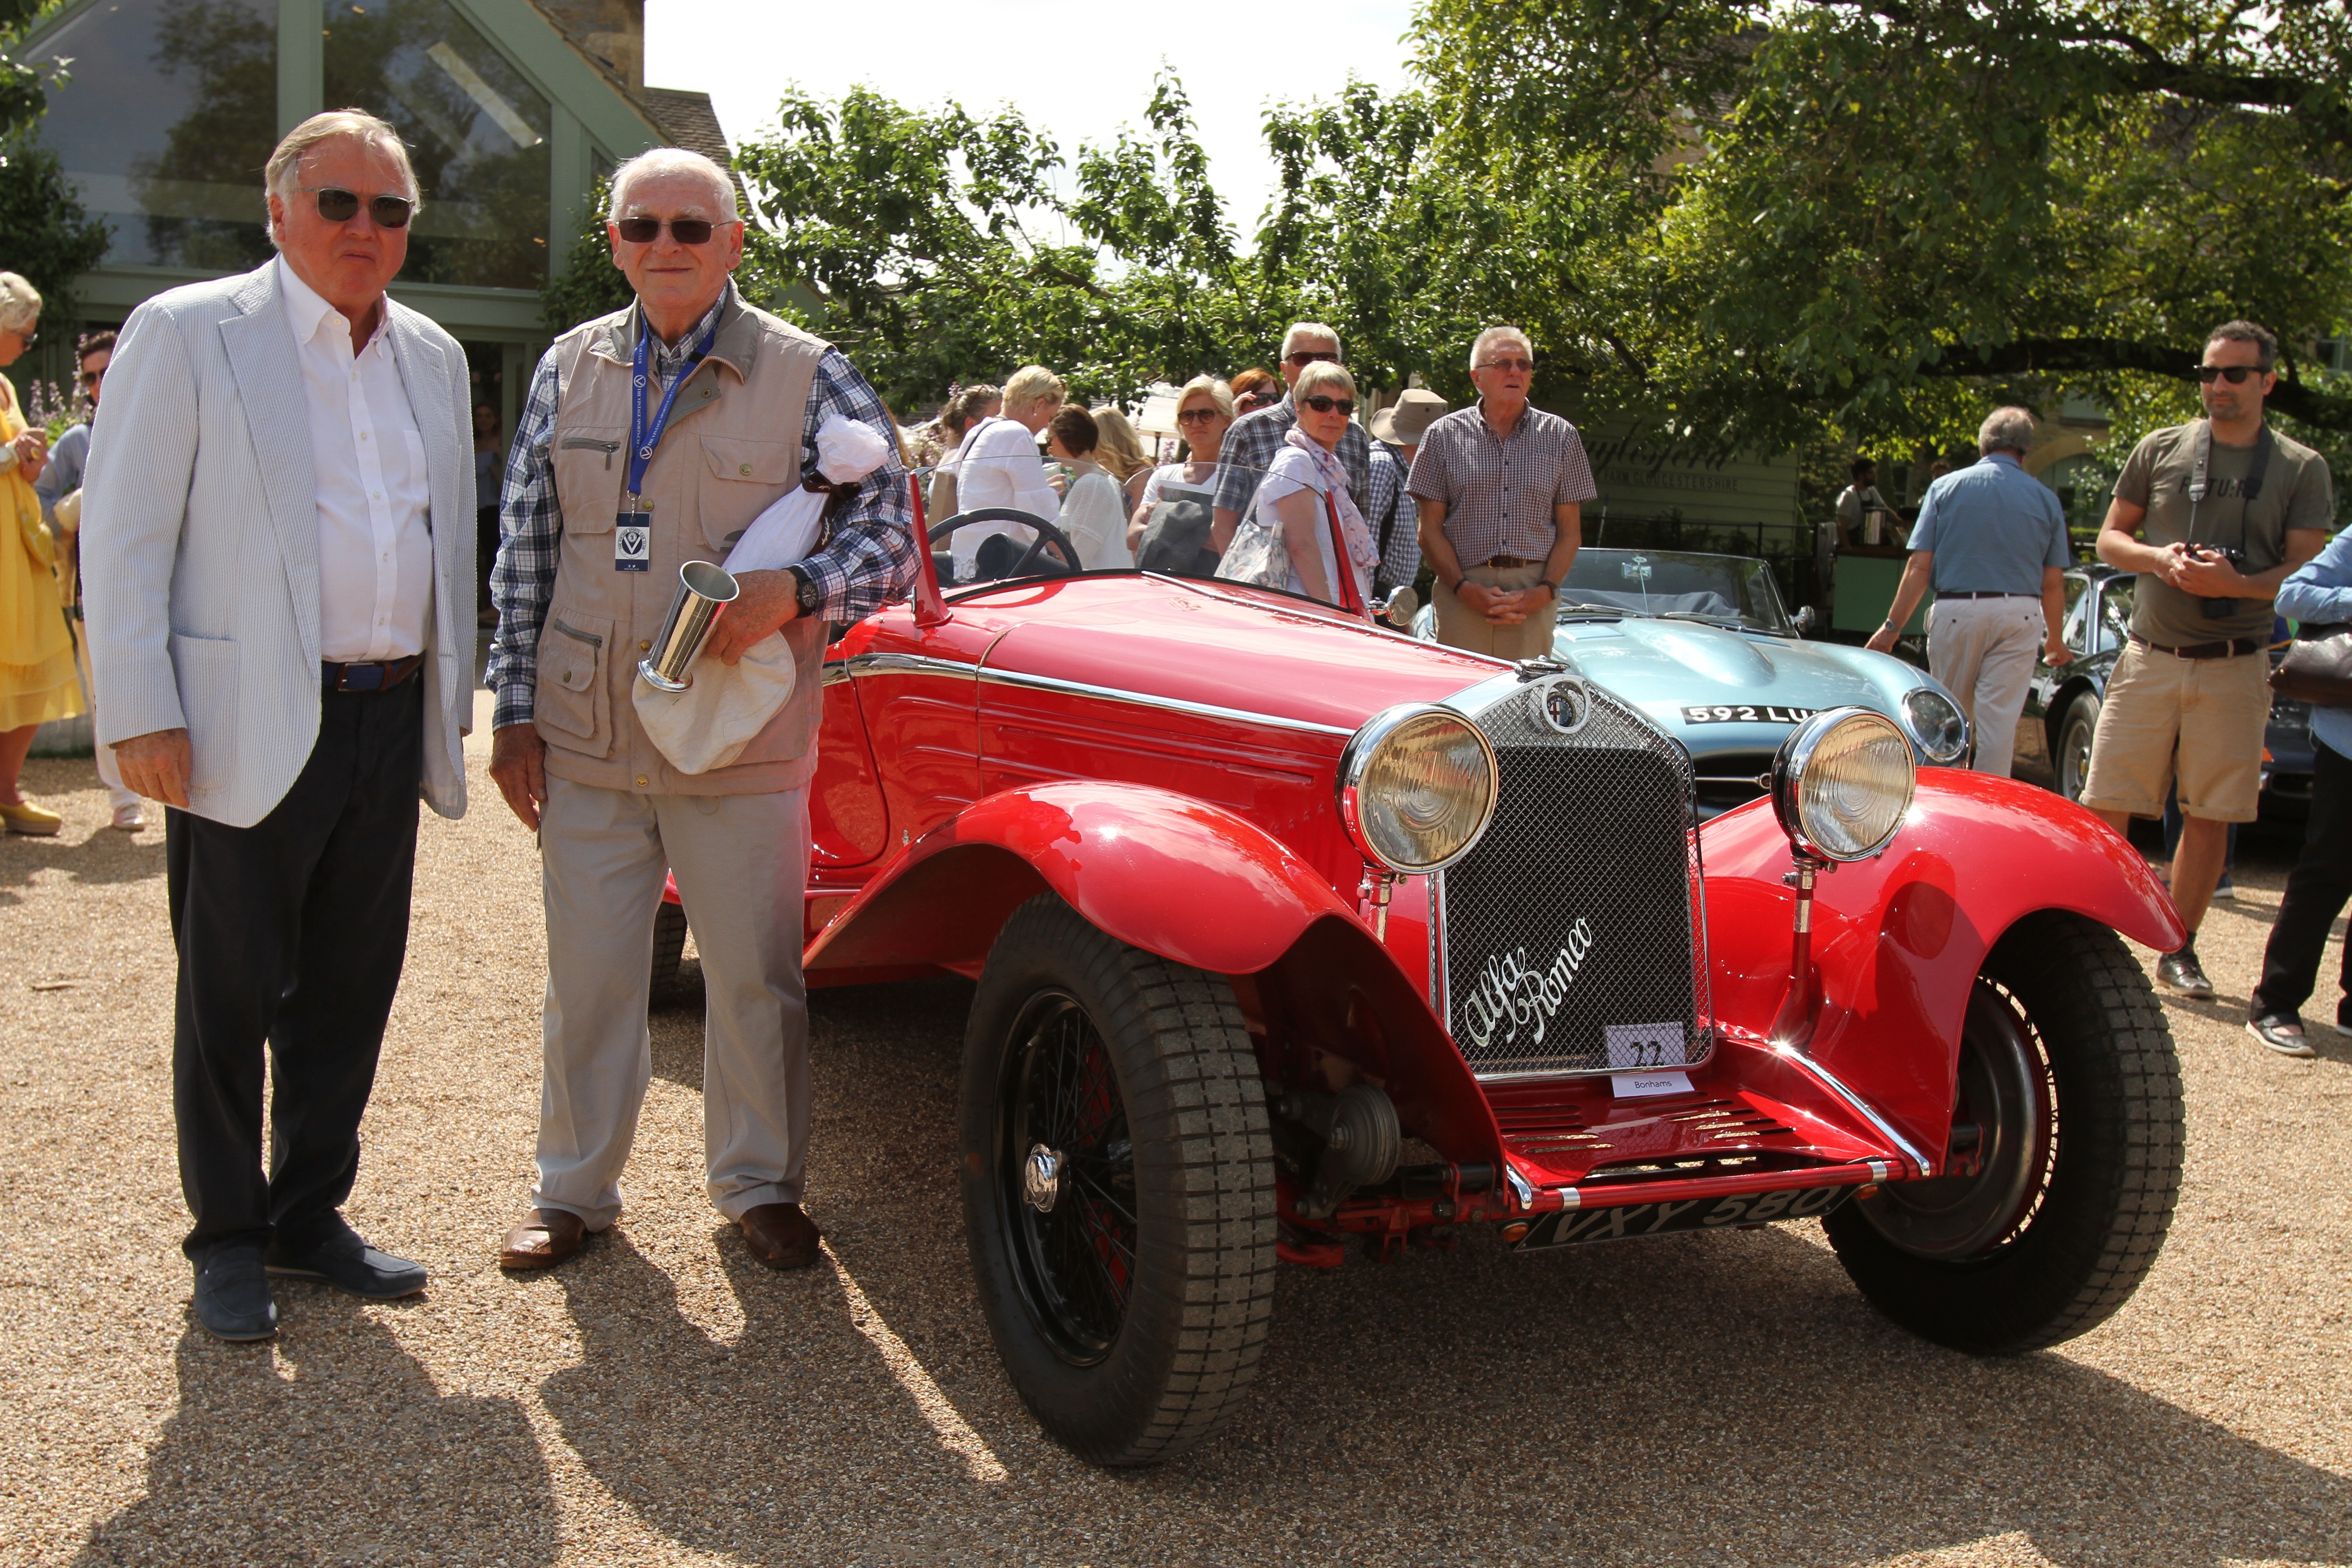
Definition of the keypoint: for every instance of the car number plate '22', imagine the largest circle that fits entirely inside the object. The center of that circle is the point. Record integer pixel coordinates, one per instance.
(1564, 1228)
(1746, 713)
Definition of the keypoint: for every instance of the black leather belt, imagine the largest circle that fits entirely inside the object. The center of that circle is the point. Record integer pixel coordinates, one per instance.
(1506, 563)
(381, 675)
(1977, 595)
(2236, 647)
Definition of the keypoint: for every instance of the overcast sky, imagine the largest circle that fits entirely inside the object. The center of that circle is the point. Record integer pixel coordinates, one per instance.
(1077, 72)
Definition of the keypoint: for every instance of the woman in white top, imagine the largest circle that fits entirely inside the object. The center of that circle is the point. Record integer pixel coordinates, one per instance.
(1286, 540)
(1177, 498)
(1093, 512)
(997, 466)
(965, 409)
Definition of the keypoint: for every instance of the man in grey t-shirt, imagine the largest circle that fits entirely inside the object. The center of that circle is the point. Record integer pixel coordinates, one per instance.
(2193, 682)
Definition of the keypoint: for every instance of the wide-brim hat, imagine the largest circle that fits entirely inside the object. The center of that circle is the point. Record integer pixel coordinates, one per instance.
(1401, 423)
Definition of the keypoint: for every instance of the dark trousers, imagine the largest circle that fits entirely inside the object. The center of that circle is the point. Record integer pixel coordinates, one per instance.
(291, 932)
(2315, 893)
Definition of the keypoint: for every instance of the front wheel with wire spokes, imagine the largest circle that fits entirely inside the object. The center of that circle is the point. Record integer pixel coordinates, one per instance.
(1118, 1186)
(2065, 1160)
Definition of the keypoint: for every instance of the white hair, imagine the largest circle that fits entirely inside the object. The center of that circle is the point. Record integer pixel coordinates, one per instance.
(2006, 430)
(20, 304)
(1494, 335)
(1310, 330)
(1323, 373)
(674, 160)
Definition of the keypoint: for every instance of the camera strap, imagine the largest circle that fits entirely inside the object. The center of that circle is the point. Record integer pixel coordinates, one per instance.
(2200, 472)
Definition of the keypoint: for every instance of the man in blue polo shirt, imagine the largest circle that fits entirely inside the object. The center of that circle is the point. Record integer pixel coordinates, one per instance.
(1992, 540)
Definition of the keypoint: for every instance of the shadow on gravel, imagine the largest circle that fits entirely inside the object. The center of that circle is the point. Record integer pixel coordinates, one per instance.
(103, 856)
(1723, 1399)
(332, 1445)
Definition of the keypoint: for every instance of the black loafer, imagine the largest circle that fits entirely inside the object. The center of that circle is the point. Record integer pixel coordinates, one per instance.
(232, 1297)
(346, 1262)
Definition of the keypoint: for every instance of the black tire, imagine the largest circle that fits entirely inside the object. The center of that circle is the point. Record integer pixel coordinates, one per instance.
(669, 950)
(1131, 1332)
(2080, 1156)
(2070, 753)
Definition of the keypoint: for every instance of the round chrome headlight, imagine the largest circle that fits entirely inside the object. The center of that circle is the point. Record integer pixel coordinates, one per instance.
(1937, 723)
(1842, 783)
(1417, 787)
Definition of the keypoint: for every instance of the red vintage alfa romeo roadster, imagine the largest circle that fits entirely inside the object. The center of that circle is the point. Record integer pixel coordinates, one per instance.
(1294, 935)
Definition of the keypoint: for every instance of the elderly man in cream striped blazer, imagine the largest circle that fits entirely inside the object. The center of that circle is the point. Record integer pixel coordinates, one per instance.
(278, 551)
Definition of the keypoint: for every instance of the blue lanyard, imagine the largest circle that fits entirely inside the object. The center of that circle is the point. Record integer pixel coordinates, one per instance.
(643, 438)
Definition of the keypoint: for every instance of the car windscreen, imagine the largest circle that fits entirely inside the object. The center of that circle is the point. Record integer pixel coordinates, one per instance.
(998, 511)
(1731, 589)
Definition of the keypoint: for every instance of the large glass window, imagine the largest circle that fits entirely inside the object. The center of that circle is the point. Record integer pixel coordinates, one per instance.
(475, 129)
(165, 127)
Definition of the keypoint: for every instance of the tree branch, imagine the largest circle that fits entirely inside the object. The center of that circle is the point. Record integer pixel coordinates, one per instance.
(2048, 357)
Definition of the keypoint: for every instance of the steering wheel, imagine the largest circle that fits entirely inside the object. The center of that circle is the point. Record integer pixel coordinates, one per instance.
(1034, 557)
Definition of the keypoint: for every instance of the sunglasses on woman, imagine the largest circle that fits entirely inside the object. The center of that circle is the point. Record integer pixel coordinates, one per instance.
(684, 230)
(339, 205)
(2232, 373)
(1196, 416)
(1322, 405)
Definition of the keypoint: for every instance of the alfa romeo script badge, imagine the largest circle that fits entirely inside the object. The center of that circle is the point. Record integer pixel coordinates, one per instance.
(1566, 704)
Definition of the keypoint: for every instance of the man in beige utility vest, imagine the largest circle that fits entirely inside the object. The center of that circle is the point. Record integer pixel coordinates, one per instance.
(653, 437)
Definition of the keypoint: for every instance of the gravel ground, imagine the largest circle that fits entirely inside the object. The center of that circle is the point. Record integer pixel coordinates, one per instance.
(1716, 1399)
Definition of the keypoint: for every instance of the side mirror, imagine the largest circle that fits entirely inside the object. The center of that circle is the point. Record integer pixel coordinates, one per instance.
(1803, 620)
(1398, 607)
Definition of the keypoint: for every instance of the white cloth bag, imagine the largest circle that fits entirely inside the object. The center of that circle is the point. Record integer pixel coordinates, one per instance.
(707, 725)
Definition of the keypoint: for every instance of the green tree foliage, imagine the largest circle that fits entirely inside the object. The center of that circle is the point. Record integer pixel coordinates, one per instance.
(46, 235)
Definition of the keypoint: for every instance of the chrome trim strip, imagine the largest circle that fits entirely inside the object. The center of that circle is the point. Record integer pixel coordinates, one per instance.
(1878, 1170)
(1860, 1106)
(1570, 1198)
(1521, 1194)
(837, 670)
(907, 664)
(1165, 704)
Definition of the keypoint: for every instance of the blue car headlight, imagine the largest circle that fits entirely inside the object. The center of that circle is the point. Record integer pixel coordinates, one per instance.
(1937, 725)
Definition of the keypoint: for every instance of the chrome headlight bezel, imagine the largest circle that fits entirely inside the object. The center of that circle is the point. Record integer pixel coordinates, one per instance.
(1365, 748)
(1924, 729)
(1801, 757)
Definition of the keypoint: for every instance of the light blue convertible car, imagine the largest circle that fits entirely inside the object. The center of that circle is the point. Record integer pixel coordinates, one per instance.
(1703, 644)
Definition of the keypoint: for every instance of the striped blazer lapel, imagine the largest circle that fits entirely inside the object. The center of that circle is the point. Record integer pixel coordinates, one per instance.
(260, 344)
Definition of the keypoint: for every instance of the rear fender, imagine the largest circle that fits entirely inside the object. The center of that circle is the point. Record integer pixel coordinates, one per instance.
(1899, 941)
(1192, 883)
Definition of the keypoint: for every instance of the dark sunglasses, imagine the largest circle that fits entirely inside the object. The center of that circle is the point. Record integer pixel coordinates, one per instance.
(1305, 357)
(1196, 415)
(2232, 373)
(1322, 405)
(1526, 366)
(339, 205)
(646, 230)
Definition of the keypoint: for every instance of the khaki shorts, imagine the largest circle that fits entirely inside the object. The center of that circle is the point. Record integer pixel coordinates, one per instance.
(1458, 625)
(2211, 711)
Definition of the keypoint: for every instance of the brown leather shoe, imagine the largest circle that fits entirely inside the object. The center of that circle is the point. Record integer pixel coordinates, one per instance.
(780, 1236)
(542, 1240)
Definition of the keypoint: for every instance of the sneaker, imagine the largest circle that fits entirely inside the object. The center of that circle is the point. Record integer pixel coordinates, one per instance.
(130, 818)
(2282, 1032)
(2184, 973)
(2224, 892)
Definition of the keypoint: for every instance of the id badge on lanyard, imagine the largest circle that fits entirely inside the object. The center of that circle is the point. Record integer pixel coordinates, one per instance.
(632, 526)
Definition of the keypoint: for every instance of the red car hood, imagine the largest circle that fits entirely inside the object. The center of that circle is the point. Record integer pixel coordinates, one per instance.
(1219, 647)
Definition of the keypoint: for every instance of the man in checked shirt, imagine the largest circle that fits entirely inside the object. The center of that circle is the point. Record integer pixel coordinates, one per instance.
(585, 577)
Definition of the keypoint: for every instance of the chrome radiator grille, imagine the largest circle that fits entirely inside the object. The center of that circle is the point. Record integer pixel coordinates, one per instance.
(1571, 939)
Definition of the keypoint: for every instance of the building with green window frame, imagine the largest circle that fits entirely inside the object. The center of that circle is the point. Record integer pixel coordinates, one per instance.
(511, 109)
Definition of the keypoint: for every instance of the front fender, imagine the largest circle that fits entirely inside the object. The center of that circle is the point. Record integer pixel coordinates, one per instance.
(1899, 941)
(1191, 882)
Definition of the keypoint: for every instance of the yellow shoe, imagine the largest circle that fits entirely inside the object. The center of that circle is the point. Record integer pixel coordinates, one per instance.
(31, 819)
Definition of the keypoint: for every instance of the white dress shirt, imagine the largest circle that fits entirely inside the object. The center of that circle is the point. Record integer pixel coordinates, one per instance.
(375, 544)
(997, 466)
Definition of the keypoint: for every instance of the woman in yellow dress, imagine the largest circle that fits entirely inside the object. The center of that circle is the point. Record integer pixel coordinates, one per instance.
(38, 680)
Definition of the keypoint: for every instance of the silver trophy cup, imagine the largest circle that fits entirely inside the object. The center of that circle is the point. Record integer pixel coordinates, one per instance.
(703, 592)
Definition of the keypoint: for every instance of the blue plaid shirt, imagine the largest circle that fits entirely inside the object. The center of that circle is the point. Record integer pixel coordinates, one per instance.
(1401, 560)
(868, 560)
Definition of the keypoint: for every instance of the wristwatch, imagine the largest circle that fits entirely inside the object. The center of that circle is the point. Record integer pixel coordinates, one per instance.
(1545, 583)
(807, 593)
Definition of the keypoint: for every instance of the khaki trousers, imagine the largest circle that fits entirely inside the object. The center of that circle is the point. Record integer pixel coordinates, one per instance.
(742, 864)
(1458, 625)
(1983, 650)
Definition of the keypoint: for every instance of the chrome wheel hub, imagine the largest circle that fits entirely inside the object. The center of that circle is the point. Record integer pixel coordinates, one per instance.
(1041, 1178)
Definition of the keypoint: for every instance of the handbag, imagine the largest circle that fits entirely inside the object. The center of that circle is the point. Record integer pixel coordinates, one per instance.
(2318, 669)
